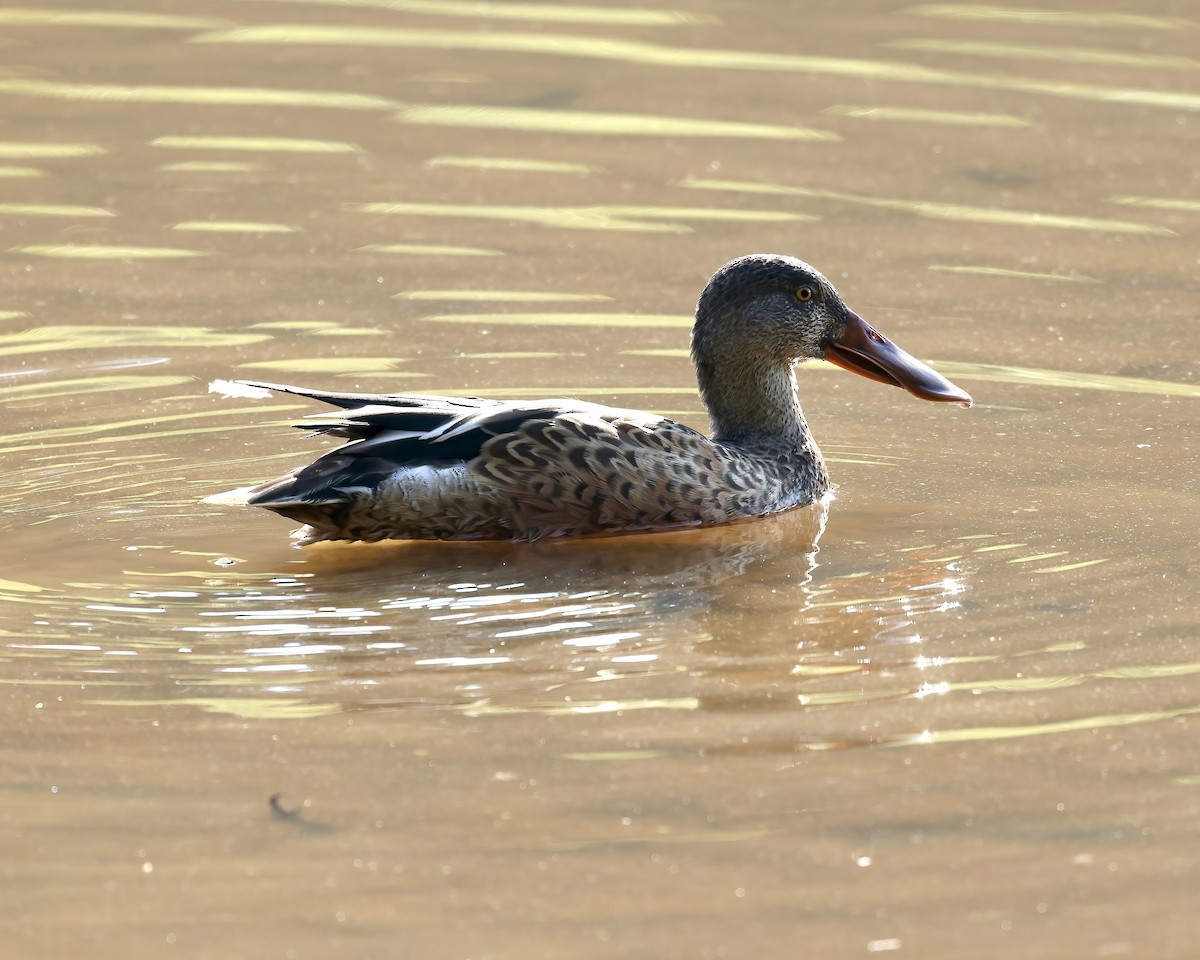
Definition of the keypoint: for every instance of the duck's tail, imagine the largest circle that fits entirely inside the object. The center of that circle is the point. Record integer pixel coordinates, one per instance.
(231, 498)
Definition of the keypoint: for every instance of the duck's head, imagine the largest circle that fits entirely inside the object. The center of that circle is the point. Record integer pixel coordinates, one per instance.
(773, 309)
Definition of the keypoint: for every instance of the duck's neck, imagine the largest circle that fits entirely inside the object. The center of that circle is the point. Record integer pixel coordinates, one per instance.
(752, 405)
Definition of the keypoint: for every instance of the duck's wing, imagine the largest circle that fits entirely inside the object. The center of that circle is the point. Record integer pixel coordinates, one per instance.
(390, 432)
(595, 468)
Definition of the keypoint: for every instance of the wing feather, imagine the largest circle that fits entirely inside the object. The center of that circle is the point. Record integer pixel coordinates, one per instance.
(582, 471)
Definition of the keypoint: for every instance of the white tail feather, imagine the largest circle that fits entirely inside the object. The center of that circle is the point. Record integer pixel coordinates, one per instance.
(230, 498)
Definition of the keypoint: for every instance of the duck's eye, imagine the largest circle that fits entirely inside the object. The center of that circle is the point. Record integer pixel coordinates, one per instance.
(804, 294)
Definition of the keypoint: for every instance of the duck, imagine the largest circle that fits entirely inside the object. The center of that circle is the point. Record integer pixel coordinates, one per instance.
(418, 467)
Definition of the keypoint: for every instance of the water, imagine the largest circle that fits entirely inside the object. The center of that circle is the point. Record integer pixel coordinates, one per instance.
(952, 716)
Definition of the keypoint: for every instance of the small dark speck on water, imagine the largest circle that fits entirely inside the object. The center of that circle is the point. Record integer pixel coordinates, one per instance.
(278, 810)
(294, 816)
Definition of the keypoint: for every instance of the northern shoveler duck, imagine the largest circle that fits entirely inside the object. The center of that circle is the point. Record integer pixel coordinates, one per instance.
(453, 468)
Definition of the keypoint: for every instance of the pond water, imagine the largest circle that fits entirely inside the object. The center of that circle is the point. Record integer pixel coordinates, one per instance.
(953, 714)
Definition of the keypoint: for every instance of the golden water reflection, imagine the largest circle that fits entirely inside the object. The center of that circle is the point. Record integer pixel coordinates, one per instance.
(936, 210)
(592, 122)
(1052, 52)
(513, 164)
(24, 16)
(230, 226)
(526, 11)
(262, 144)
(171, 93)
(10, 149)
(1064, 18)
(1015, 274)
(919, 115)
(96, 251)
(646, 219)
(51, 210)
(431, 250)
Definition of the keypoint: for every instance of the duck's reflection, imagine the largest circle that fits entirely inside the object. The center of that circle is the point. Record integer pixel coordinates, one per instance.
(689, 560)
(739, 593)
(556, 606)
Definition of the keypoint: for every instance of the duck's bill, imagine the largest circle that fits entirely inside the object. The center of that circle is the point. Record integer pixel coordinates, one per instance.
(864, 350)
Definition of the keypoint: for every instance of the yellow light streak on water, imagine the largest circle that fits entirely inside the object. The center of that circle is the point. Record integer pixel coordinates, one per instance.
(1018, 274)
(16, 586)
(1166, 99)
(1072, 566)
(165, 93)
(1120, 21)
(511, 355)
(475, 9)
(79, 251)
(579, 707)
(433, 250)
(1079, 725)
(14, 172)
(266, 144)
(938, 211)
(214, 226)
(501, 296)
(52, 210)
(594, 122)
(248, 708)
(318, 327)
(210, 166)
(1159, 203)
(210, 574)
(513, 164)
(25, 16)
(10, 149)
(926, 116)
(331, 365)
(1066, 378)
(1000, 684)
(643, 219)
(1053, 53)
(822, 670)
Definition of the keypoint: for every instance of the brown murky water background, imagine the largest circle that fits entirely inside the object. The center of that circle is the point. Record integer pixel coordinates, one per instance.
(962, 724)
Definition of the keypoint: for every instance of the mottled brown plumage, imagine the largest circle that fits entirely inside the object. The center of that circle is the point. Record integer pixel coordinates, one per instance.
(440, 468)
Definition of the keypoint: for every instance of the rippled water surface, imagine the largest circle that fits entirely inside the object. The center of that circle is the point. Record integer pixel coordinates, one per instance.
(950, 714)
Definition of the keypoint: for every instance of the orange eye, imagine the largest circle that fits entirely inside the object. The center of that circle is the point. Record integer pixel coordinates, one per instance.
(804, 294)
